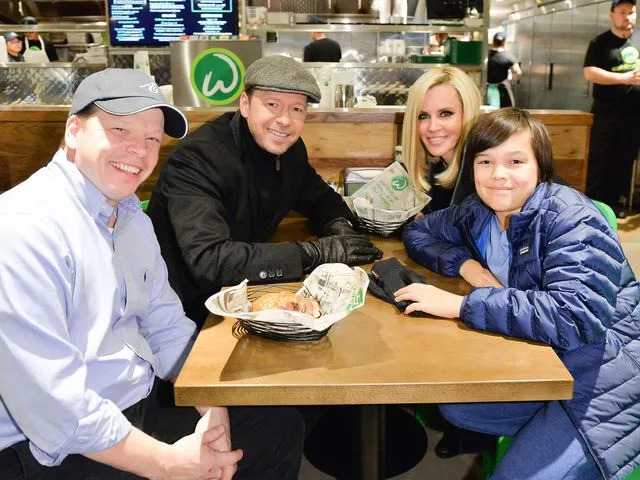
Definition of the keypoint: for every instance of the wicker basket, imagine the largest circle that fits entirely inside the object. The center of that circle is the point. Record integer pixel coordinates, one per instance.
(381, 228)
(291, 332)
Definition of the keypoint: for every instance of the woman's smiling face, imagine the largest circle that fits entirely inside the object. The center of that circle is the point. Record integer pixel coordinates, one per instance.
(440, 121)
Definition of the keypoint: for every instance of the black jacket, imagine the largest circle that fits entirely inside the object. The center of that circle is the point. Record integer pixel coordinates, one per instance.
(212, 209)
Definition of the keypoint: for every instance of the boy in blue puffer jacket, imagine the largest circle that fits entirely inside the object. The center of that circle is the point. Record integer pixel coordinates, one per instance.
(547, 267)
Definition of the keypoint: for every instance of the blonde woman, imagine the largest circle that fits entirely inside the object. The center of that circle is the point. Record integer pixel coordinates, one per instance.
(441, 107)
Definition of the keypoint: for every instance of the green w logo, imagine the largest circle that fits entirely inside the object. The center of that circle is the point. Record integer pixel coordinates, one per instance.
(216, 76)
(399, 182)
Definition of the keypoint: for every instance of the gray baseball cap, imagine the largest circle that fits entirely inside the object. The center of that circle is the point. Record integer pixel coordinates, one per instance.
(11, 35)
(278, 73)
(124, 91)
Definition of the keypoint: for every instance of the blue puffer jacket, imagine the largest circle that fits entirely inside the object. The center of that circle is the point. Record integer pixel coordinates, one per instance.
(570, 286)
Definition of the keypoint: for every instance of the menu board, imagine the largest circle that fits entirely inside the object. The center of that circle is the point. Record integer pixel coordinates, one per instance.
(158, 22)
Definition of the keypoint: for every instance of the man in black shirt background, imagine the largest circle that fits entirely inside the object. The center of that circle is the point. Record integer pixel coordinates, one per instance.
(611, 63)
(322, 49)
(499, 65)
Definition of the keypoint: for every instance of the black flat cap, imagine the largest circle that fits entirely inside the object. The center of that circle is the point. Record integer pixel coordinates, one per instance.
(277, 73)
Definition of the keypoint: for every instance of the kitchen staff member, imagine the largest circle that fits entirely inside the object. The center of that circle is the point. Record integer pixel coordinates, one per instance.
(225, 188)
(611, 64)
(13, 44)
(502, 68)
(321, 49)
(35, 49)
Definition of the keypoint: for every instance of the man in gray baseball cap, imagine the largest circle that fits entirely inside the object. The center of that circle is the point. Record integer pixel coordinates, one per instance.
(225, 188)
(91, 330)
(123, 91)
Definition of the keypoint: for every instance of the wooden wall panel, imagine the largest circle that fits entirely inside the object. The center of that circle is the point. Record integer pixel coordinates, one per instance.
(335, 139)
(348, 140)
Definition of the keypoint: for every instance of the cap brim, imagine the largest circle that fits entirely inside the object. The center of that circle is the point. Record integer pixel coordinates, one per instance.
(175, 123)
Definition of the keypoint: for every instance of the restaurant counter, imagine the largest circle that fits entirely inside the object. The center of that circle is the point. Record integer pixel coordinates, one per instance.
(335, 138)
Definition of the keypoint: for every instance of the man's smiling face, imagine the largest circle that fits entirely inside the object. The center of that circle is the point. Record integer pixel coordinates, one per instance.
(115, 152)
(275, 119)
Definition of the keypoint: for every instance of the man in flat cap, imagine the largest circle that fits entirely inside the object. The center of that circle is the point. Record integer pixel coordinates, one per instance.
(90, 326)
(225, 188)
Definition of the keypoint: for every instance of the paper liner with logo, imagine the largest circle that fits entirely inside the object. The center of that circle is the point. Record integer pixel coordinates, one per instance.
(338, 288)
(387, 201)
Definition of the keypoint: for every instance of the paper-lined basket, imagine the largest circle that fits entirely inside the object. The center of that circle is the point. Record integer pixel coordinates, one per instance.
(387, 201)
(338, 288)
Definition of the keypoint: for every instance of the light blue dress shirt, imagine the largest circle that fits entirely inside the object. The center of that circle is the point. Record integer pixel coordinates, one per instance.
(87, 317)
(498, 254)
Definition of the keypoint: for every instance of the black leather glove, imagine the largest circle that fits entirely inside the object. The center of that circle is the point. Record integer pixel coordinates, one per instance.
(349, 249)
(389, 276)
(339, 226)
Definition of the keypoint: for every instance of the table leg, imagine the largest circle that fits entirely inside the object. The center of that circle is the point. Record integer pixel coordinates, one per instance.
(366, 442)
(372, 442)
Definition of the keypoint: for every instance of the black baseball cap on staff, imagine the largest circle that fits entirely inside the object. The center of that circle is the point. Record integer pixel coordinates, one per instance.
(615, 3)
(124, 91)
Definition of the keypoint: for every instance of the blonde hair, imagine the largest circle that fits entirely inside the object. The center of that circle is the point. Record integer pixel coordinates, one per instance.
(414, 155)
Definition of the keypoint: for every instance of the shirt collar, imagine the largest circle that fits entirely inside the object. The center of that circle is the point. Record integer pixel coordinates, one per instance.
(91, 198)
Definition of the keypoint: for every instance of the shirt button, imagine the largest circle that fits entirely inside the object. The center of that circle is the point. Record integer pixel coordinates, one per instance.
(262, 274)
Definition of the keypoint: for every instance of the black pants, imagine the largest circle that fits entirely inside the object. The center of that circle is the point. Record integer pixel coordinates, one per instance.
(505, 98)
(612, 150)
(271, 438)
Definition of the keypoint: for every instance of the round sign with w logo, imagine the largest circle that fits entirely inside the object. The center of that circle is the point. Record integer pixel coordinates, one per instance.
(216, 76)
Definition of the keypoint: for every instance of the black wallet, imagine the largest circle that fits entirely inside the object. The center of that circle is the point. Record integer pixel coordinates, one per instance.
(388, 276)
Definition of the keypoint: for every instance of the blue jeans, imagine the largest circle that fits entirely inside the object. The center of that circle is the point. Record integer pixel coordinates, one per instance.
(546, 446)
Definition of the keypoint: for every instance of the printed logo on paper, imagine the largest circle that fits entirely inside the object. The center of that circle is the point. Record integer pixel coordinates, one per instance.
(216, 76)
(358, 301)
(399, 183)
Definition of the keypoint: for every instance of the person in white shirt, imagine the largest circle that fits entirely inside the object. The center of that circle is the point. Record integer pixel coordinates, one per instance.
(91, 331)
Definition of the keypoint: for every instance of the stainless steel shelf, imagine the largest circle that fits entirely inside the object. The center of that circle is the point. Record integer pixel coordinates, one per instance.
(55, 27)
(387, 65)
(369, 27)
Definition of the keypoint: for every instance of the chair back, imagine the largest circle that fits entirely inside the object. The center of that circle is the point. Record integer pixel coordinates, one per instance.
(608, 213)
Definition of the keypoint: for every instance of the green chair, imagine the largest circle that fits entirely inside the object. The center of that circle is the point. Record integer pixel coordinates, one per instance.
(490, 459)
(635, 475)
(144, 204)
(608, 213)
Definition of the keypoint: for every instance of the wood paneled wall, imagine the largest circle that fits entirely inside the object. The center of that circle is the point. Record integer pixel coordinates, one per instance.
(335, 139)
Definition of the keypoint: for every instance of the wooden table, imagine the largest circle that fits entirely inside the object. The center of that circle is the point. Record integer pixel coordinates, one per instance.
(375, 356)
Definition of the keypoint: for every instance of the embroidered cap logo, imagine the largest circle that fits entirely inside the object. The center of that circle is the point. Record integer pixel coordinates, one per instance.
(151, 86)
